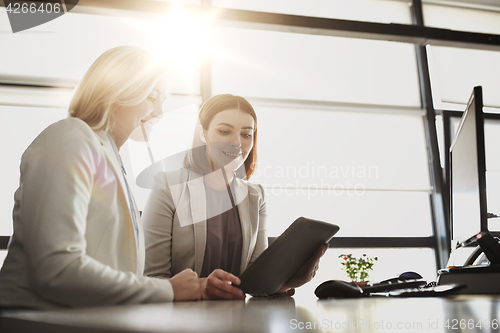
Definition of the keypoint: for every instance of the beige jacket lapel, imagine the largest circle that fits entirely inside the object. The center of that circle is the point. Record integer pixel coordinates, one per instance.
(117, 168)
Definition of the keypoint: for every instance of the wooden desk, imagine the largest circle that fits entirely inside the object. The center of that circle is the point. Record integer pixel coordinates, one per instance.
(271, 315)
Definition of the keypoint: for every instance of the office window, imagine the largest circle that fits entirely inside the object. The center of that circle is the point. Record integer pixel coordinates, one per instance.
(333, 164)
(38, 97)
(65, 48)
(346, 168)
(359, 10)
(21, 126)
(323, 68)
(453, 81)
(462, 18)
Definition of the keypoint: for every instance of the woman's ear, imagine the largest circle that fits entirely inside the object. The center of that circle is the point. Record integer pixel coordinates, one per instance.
(202, 135)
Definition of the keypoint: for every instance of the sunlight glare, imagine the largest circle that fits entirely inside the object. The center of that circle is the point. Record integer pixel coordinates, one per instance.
(182, 41)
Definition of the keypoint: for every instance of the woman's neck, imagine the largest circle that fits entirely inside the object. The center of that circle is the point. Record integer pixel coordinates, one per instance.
(216, 179)
(118, 139)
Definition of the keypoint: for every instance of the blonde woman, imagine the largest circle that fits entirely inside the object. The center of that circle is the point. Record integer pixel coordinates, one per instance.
(206, 216)
(78, 238)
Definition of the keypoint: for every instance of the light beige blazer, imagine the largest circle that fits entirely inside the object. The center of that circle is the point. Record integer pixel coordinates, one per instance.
(74, 242)
(175, 224)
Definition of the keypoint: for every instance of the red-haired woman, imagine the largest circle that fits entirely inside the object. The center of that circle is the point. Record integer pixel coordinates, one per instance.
(206, 216)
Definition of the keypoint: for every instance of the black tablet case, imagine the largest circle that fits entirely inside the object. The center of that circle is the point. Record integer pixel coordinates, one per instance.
(286, 255)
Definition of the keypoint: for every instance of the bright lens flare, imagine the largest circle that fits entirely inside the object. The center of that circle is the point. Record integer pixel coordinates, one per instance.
(182, 41)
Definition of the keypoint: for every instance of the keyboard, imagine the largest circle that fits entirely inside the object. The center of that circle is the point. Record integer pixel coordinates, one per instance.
(432, 291)
(388, 286)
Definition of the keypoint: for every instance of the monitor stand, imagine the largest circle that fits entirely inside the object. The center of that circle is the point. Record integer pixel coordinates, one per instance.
(478, 279)
(490, 247)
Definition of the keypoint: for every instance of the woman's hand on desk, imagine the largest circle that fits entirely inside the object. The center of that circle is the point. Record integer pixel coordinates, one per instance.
(186, 286)
(307, 272)
(218, 285)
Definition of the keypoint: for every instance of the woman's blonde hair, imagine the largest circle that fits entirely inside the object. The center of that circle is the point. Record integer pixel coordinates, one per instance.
(196, 158)
(124, 75)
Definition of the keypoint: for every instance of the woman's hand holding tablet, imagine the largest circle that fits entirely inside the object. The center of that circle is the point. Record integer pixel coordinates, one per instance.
(306, 273)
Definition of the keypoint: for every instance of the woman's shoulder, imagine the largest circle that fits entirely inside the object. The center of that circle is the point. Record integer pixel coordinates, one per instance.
(68, 130)
(71, 125)
(173, 177)
(66, 137)
(68, 146)
(252, 187)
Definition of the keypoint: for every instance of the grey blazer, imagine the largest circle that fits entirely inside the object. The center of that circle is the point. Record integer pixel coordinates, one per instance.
(175, 223)
(74, 242)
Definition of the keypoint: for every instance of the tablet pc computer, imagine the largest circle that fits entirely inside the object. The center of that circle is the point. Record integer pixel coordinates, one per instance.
(286, 255)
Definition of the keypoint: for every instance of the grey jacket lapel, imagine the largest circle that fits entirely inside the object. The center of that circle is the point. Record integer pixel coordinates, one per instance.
(198, 206)
(242, 201)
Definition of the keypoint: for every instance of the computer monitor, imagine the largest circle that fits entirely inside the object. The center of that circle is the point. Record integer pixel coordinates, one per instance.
(468, 212)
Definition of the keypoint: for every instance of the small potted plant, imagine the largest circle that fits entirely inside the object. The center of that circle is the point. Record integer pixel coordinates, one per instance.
(357, 269)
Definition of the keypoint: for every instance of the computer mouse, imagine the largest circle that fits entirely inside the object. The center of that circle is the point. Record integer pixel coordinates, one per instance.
(339, 289)
(403, 277)
(410, 276)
